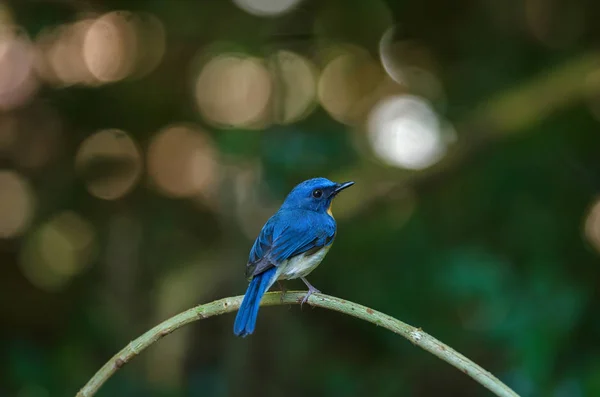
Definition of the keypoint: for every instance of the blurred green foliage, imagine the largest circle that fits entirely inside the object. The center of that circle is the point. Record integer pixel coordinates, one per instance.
(488, 255)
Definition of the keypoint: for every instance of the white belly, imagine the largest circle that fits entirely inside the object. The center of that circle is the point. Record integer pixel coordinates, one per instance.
(301, 265)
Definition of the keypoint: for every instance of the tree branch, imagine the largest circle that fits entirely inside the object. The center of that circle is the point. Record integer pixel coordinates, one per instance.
(226, 305)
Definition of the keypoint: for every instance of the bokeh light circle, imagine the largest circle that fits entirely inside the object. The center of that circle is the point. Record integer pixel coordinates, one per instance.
(110, 46)
(346, 83)
(233, 90)
(295, 86)
(152, 42)
(18, 81)
(45, 41)
(58, 250)
(110, 163)
(267, 8)
(17, 204)
(405, 132)
(410, 64)
(592, 226)
(62, 51)
(103, 49)
(182, 161)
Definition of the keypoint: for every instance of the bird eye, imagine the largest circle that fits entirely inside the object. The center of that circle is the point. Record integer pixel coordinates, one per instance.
(317, 193)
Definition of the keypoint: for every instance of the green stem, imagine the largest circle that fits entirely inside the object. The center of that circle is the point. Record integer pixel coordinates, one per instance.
(226, 305)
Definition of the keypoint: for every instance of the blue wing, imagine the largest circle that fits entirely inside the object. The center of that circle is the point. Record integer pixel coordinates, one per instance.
(289, 233)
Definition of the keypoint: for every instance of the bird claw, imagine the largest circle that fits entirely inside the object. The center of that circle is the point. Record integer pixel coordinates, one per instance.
(311, 290)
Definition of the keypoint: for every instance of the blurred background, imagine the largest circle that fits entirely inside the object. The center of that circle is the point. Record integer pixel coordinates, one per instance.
(143, 144)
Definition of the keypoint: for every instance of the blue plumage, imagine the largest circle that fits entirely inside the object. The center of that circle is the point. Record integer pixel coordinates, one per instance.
(291, 244)
(246, 317)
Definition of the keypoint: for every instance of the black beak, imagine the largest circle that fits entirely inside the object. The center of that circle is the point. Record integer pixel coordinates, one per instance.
(341, 186)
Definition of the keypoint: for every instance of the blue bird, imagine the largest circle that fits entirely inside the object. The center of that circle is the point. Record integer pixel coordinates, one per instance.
(290, 245)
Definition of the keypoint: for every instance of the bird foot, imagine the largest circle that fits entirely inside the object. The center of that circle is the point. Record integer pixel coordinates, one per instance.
(311, 290)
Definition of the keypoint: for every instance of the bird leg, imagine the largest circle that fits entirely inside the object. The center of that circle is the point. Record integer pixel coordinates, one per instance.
(311, 290)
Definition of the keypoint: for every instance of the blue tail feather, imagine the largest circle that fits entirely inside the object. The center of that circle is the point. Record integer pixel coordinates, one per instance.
(245, 321)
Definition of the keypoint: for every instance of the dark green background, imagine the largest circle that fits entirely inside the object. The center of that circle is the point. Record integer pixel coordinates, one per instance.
(486, 251)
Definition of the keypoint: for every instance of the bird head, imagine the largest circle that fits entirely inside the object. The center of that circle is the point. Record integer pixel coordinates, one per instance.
(314, 194)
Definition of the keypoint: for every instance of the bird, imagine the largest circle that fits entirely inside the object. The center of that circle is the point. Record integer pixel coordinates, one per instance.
(291, 244)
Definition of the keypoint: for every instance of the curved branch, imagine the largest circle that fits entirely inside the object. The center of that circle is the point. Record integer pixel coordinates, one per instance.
(226, 305)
